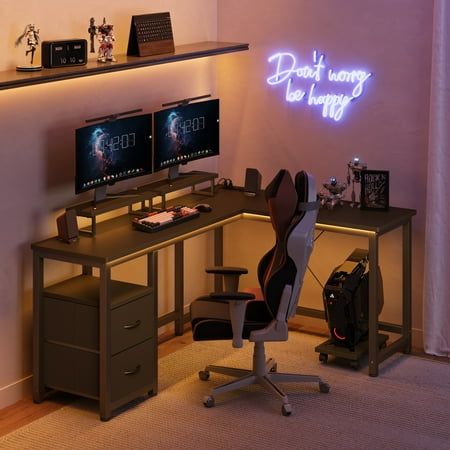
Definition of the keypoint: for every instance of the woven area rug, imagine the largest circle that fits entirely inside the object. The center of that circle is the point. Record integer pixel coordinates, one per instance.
(406, 407)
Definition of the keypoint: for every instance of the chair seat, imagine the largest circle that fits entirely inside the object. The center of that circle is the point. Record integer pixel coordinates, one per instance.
(210, 319)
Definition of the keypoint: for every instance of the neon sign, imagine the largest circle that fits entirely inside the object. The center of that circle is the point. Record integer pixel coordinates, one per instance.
(317, 85)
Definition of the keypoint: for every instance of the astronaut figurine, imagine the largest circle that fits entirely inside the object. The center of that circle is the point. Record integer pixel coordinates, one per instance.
(354, 168)
(106, 39)
(33, 39)
(333, 193)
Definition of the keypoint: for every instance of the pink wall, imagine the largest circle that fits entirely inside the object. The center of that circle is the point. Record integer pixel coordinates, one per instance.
(37, 126)
(387, 126)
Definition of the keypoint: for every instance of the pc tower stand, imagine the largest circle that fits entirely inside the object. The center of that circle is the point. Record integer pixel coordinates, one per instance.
(346, 303)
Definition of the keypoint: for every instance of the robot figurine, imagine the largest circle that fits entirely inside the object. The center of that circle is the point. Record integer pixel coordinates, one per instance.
(333, 193)
(354, 168)
(106, 39)
(33, 39)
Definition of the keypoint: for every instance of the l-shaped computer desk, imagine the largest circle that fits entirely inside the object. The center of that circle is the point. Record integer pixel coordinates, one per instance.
(97, 337)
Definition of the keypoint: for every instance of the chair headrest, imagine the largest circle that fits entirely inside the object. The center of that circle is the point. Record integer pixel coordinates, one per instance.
(281, 197)
(307, 200)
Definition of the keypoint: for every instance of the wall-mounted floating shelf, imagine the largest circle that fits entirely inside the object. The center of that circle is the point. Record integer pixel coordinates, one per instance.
(12, 79)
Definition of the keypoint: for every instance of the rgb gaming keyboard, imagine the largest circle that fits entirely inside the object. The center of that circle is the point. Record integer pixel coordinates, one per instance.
(158, 220)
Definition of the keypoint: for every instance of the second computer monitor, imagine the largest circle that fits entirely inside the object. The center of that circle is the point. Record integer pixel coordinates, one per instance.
(185, 133)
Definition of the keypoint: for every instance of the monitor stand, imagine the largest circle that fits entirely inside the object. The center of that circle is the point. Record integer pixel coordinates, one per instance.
(174, 173)
(100, 194)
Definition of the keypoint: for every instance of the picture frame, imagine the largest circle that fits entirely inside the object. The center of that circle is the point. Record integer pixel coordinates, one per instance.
(375, 189)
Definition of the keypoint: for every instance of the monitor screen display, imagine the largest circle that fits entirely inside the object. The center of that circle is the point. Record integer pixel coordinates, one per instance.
(112, 151)
(185, 133)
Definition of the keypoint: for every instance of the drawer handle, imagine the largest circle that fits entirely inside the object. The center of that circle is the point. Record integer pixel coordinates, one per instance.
(132, 372)
(132, 325)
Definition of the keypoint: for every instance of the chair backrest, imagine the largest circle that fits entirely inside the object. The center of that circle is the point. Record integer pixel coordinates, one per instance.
(293, 212)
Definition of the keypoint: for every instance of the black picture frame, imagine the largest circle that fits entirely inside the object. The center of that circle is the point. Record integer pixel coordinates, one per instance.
(375, 189)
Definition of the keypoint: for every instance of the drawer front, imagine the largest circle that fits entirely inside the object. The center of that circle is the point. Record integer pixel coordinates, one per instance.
(133, 370)
(70, 323)
(131, 324)
(71, 370)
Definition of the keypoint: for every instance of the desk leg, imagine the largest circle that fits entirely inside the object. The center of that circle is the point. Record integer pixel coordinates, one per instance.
(373, 305)
(38, 286)
(105, 344)
(152, 280)
(179, 288)
(218, 257)
(406, 325)
(87, 270)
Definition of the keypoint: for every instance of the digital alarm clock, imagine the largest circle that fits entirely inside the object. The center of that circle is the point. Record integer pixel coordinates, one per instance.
(64, 53)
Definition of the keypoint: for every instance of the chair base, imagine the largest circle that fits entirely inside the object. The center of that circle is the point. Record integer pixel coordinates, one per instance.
(263, 373)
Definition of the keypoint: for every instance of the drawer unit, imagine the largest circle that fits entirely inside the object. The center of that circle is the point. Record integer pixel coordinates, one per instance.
(132, 371)
(71, 370)
(131, 323)
(71, 350)
(76, 324)
(66, 322)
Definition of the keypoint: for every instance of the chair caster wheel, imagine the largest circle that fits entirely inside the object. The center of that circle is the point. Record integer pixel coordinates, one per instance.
(323, 357)
(274, 368)
(203, 375)
(286, 409)
(324, 387)
(208, 401)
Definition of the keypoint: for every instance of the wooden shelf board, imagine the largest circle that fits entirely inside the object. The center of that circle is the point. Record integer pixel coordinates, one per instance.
(11, 79)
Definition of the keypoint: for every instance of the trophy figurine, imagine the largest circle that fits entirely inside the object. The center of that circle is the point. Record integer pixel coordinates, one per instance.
(32, 38)
(354, 168)
(92, 30)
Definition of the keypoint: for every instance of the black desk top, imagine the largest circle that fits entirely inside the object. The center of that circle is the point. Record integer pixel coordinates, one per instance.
(116, 239)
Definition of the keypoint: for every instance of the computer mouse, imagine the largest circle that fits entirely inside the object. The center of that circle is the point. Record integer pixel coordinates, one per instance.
(203, 207)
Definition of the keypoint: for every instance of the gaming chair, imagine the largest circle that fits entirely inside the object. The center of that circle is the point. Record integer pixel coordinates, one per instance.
(237, 315)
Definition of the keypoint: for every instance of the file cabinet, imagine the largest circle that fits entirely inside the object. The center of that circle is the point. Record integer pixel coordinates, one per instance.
(71, 326)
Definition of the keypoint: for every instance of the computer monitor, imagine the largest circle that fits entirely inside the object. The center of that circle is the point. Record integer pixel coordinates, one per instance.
(185, 133)
(112, 151)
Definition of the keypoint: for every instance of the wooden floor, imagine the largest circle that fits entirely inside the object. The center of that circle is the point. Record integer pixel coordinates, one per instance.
(25, 411)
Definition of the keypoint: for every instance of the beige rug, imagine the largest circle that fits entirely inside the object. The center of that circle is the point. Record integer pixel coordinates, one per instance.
(406, 407)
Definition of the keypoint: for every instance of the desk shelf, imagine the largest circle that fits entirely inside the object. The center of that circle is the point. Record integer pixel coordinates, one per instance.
(141, 194)
(11, 79)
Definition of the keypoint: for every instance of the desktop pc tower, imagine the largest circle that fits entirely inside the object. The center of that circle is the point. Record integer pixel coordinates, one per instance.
(346, 300)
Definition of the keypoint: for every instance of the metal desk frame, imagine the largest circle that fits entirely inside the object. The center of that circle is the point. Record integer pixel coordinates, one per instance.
(105, 251)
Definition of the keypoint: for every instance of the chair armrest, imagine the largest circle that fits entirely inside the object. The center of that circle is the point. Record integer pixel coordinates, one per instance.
(237, 301)
(226, 270)
(230, 276)
(232, 296)
(237, 304)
